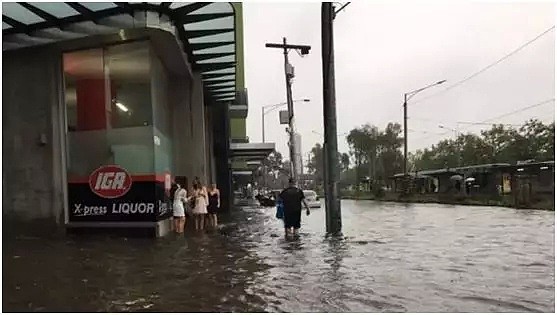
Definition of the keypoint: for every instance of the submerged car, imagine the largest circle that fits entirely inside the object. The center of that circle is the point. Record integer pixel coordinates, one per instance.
(312, 199)
(266, 200)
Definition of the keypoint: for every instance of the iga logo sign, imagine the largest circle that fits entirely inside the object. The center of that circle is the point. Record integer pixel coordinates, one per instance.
(110, 181)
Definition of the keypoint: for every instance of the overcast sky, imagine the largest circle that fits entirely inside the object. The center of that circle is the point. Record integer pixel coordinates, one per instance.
(384, 49)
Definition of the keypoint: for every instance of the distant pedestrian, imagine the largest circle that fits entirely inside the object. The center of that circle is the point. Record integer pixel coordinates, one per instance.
(292, 198)
(214, 205)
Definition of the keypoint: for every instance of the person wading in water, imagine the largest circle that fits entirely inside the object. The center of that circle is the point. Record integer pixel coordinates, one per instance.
(214, 205)
(292, 198)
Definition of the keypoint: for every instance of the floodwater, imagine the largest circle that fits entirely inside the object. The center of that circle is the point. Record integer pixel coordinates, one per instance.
(392, 258)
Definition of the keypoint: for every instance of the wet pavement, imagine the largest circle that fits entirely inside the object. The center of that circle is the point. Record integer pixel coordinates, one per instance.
(392, 258)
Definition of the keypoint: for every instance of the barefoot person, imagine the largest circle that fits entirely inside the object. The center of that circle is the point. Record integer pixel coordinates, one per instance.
(292, 198)
(214, 205)
(179, 196)
(199, 210)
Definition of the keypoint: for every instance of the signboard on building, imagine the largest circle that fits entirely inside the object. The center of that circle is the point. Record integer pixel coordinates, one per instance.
(113, 194)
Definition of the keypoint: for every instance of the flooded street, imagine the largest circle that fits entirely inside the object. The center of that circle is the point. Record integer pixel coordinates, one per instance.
(392, 258)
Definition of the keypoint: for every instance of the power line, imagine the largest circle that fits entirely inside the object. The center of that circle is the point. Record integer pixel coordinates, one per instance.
(520, 110)
(488, 67)
(458, 122)
(503, 115)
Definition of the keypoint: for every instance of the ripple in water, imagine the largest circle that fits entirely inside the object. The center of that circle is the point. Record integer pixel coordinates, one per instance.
(392, 258)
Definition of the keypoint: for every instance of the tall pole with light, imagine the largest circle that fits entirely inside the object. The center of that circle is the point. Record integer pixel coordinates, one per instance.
(289, 74)
(456, 134)
(407, 97)
(266, 109)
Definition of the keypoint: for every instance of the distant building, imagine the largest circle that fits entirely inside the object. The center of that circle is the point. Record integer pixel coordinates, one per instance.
(298, 153)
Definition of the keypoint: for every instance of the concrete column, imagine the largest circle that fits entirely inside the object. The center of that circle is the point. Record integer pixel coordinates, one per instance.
(211, 176)
(221, 130)
(179, 98)
(31, 96)
(198, 150)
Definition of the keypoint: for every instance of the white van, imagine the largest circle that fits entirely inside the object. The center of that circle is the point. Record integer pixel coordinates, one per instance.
(312, 199)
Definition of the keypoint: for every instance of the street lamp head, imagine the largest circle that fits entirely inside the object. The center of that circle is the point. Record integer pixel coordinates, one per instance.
(306, 100)
(442, 81)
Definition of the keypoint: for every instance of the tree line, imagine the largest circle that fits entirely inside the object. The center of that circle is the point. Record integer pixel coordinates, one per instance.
(375, 155)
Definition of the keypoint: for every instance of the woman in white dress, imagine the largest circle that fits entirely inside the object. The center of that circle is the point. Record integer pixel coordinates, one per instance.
(179, 196)
(199, 210)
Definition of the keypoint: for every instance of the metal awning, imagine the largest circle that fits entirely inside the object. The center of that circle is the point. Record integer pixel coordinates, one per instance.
(242, 173)
(238, 111)
(251, 151)
(207, 30)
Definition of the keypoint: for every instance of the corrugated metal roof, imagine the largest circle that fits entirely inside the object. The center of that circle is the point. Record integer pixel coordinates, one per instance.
(206, 30)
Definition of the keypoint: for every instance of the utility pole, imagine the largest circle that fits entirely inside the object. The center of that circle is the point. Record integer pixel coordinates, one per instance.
(333, 213)
(289, 74)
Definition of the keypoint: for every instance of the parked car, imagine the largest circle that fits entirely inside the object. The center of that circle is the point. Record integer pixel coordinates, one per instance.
(267, 200)
(312, 199)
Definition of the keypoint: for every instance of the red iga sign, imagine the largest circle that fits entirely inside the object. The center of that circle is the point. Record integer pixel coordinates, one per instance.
(110, 181)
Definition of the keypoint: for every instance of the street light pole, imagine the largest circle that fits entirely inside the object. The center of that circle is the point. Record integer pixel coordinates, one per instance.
(407, 97)
(289, 74)
(273, 107)
(262, 124)
(405, 135)
(456, 134)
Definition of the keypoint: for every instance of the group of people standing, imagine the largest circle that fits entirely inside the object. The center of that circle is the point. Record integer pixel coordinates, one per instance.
(200, 202)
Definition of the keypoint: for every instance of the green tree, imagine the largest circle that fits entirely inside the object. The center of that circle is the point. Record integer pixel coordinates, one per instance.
(344, 162)
(376, 152)
(534, 140)
(315, 163)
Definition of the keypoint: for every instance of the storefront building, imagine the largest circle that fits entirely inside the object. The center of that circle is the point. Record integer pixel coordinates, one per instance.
(105, 104)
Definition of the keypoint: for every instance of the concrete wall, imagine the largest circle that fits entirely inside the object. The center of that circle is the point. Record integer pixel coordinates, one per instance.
(198, 149)
(210, 154)
(179, 97)
(33, 173)
(193, 130)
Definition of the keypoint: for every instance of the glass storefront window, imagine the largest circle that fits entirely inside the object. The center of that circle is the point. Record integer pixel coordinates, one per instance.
(128, 70)
(162, 116)
(85, 92)
(108, 109)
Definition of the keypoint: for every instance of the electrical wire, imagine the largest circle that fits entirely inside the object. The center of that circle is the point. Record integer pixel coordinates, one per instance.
(522, 109)
(457, 122)
(487, 67)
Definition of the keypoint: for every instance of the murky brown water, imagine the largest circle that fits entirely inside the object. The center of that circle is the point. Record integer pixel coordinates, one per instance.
(392, 258)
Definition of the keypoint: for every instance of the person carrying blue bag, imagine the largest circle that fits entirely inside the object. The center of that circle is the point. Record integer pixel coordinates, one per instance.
(292, 199)
(280, 209)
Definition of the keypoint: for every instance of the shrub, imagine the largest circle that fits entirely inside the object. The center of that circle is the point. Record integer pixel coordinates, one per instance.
(378, 191)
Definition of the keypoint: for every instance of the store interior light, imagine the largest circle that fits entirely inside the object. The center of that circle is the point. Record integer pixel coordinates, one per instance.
(122, 107)
(544, 168)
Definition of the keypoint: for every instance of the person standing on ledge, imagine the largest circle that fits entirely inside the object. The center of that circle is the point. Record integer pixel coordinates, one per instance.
(292, 198)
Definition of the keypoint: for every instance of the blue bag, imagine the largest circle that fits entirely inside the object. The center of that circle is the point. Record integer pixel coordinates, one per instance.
(280, 210)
